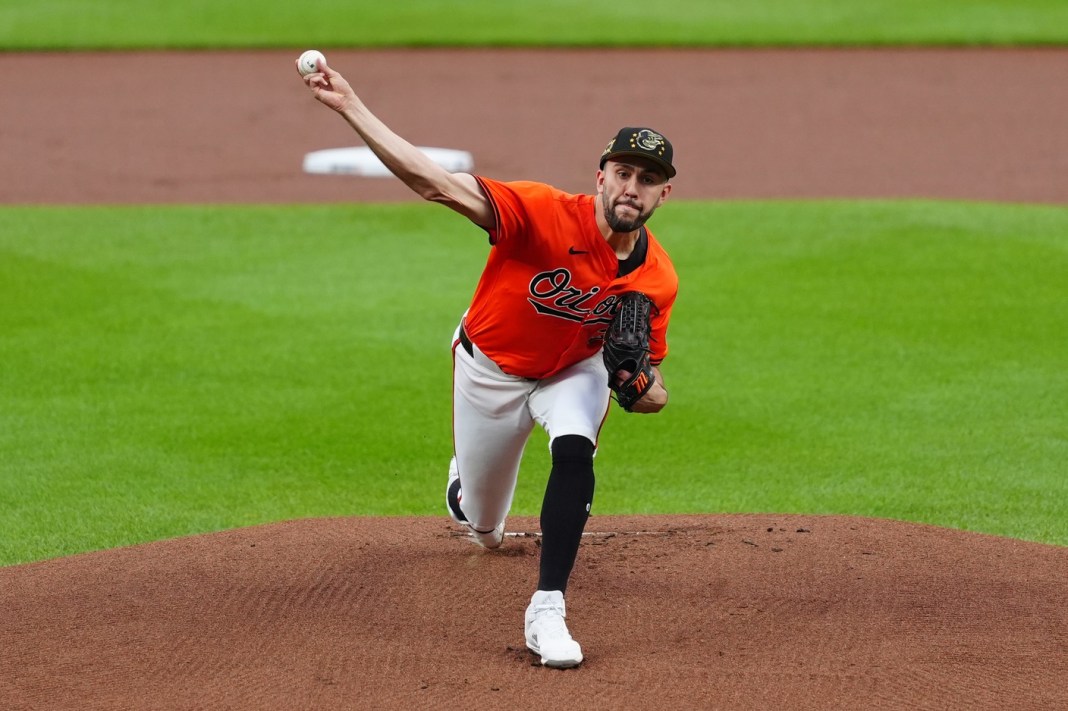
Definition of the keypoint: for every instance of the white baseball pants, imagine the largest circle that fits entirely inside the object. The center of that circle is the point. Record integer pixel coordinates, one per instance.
(494, 414)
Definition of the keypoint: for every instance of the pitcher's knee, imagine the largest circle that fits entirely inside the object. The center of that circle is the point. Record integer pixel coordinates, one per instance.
(574, 449)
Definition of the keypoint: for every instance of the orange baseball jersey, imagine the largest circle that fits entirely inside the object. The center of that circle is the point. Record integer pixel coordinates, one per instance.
(549, 288)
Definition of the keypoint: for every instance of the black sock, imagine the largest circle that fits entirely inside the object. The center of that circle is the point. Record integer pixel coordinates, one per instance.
(568, 497)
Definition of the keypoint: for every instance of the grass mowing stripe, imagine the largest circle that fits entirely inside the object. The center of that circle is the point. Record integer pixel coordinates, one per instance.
(183, 369)
(126, 24)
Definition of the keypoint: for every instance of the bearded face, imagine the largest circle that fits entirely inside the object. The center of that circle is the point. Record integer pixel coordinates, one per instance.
(630, 191)
(624, 214)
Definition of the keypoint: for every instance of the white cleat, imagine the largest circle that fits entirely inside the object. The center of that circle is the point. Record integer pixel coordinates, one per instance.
(547, 633)
(490, 539)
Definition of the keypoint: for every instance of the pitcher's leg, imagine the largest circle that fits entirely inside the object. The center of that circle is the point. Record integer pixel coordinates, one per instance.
(491, 426)
(574, 401)
(571, 407)
(565, 509)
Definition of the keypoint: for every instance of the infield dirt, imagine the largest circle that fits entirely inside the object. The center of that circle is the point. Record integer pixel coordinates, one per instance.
(234, 127)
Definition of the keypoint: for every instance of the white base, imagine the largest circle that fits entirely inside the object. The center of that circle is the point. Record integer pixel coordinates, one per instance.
(361, 161)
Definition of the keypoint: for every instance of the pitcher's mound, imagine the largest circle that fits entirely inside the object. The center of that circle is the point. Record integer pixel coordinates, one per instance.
(740, 612)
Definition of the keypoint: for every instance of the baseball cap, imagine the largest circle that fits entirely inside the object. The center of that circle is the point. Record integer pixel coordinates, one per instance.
(644, 142)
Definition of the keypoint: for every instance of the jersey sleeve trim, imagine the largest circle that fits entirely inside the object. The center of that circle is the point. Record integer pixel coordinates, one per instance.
(494, 231)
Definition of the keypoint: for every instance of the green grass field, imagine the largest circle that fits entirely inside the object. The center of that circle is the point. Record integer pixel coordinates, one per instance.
(174, 370)
(126, 24)
(169, 371)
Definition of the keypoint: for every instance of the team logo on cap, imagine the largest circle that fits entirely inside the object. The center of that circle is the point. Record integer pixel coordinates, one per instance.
(648, 141)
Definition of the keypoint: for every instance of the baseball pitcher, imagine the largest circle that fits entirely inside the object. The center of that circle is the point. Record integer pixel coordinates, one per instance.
(572, 308)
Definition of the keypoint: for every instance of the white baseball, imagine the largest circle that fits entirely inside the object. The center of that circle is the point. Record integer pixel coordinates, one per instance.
(308, 62)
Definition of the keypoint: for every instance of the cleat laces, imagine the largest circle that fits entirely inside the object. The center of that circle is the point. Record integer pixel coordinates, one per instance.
(550, 623)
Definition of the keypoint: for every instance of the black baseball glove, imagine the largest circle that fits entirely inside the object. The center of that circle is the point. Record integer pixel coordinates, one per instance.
(626, 347)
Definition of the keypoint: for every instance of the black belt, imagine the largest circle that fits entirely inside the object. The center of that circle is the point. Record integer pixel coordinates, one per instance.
(466, 342)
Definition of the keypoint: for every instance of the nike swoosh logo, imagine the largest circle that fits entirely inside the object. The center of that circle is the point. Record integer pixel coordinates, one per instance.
(572, 250)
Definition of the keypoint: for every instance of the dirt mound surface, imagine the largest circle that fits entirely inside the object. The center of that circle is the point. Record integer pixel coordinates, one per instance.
(741, 612)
